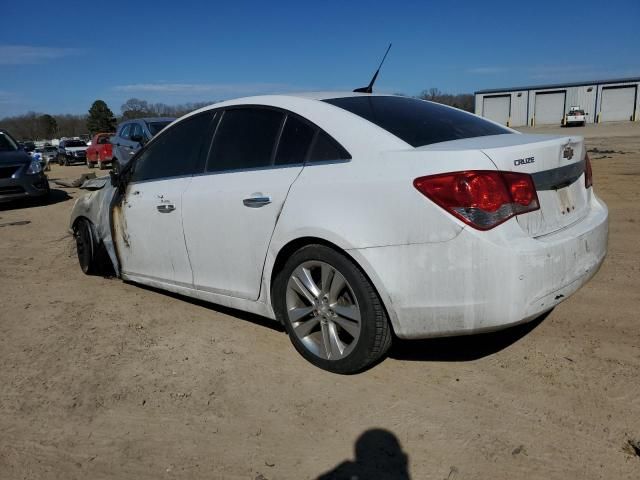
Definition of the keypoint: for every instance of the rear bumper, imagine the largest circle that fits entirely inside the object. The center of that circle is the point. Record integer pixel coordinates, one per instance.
(25, 186)
(484, 281)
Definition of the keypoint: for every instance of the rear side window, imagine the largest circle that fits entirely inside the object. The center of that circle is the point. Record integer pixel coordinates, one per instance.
(294, 142)
(179, 151)
(418, 122)
(326, 148)
(136, 130)
(245, 138)
(156, 127)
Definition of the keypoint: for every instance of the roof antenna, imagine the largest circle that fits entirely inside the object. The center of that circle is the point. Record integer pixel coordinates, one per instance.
(369, 88)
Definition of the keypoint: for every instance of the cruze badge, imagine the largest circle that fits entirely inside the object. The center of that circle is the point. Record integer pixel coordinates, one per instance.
(523, 161)
(567, 153)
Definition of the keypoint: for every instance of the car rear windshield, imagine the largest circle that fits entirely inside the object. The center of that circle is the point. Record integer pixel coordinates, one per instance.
(7, 144)
(155, 127)
(418, 122)
(74, 143)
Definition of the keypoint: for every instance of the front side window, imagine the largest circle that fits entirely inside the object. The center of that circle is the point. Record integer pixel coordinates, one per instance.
(245, 138)
(418, 122)
(125, 131)
(7, 144)
(179, 151)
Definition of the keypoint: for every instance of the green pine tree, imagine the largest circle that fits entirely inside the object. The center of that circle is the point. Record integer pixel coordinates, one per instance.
(101, 118)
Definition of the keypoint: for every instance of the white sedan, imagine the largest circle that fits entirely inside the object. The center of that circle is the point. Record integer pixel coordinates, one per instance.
(352, 219)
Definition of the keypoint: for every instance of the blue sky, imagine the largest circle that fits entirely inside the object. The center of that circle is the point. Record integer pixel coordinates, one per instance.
(58, 57)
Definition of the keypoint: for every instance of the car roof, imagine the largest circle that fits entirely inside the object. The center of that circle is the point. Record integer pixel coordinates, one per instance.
(147, 120)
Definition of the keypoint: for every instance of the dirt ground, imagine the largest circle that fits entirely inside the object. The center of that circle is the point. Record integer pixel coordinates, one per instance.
(103, 379)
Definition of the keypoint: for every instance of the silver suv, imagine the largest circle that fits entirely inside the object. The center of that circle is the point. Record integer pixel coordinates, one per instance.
(132, 135)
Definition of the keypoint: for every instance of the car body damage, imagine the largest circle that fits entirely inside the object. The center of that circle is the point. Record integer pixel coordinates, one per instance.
(303, 210)
(96, 207)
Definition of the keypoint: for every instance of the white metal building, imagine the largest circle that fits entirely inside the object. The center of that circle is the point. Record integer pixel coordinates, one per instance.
(602, 100)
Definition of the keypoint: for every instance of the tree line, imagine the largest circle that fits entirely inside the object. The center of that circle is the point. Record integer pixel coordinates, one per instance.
(100, 118)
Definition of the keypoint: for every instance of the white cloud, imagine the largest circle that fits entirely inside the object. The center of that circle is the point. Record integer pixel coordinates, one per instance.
(220, 89)
(487, 70)
(29, 55)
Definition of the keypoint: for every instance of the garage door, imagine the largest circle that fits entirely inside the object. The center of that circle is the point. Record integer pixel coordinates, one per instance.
(549, 108)
(617, 103)
(497, 108)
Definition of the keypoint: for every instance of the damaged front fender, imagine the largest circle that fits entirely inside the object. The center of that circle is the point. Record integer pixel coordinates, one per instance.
(96, 207)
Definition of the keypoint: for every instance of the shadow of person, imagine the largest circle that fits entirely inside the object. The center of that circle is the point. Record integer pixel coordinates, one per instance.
(378, 456)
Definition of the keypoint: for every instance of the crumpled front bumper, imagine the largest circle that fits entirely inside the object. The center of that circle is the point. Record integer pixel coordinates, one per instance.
(23, 186)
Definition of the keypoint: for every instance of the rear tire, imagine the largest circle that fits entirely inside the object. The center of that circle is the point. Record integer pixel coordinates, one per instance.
(342, 327)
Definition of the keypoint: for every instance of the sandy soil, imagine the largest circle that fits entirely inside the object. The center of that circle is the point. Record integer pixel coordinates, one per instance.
(102, 379)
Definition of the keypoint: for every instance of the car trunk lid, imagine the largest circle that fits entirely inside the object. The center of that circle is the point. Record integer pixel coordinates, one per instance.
(557, 165)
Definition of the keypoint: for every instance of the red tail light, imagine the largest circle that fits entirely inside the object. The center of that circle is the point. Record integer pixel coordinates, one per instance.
(588, 175)
(482, 199)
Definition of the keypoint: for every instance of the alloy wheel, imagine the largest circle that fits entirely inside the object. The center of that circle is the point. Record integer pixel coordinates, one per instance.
(323, 310)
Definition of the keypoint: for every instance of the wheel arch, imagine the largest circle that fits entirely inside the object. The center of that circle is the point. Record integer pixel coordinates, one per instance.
(295, 244)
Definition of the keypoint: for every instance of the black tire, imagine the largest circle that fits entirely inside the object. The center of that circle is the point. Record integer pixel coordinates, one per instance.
(90, 164)
(100, 165)
(66, 161)
(60, 160)
(375, 333)
(115, 165)
(86, 246)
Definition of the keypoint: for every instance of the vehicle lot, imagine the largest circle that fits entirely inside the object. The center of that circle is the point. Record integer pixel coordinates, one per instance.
(106, 379)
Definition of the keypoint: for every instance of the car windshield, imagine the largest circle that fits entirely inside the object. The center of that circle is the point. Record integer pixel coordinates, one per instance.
(155, 127)
(418, 122)
(7, 144)
(50, 149)
(74, 143)
(577, 112)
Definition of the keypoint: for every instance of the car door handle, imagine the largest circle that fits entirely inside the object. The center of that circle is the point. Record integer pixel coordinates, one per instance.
(166, 208)
(256, 202)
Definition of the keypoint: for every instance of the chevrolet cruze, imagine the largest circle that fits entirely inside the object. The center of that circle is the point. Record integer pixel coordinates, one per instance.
(351, 219)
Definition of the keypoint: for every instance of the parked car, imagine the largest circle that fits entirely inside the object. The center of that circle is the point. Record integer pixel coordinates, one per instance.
(28, 146)
(71, 151)
(576, 116)
(21, 176)
(49, 155)
(347, 217)
(132, 135)
(100, 151)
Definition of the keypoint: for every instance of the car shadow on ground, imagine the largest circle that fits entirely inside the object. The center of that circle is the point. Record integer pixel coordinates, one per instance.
(239, 314)
(463, 348)
(55, 196)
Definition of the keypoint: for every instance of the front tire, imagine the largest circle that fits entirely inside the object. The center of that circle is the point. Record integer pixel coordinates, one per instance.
(331, 311)
(86, 247)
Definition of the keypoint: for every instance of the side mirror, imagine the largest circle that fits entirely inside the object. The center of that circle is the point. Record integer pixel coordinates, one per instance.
(115, 178)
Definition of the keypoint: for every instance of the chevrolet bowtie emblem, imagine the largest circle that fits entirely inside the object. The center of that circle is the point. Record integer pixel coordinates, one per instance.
(567, 153)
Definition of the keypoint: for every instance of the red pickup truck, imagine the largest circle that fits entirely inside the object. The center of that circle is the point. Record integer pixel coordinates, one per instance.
(99, 153)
